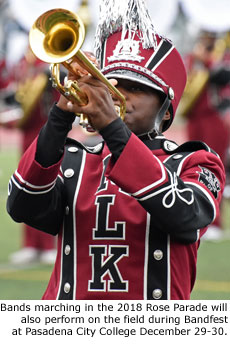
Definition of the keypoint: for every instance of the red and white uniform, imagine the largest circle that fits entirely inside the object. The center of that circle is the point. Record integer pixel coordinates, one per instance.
(127, 229)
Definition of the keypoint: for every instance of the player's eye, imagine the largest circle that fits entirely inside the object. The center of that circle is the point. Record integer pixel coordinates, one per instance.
(136, 88)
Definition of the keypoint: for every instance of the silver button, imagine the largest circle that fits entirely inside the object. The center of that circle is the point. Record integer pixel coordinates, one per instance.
(157, 293)
(177, 156)
(67, 249)
(9, 188)
(67, 210)
(69, 173)
(67, 287)
(170, 146)
(158, 254)
(72, 149)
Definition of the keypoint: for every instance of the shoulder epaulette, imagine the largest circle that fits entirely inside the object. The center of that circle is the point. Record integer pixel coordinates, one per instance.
(190, 146)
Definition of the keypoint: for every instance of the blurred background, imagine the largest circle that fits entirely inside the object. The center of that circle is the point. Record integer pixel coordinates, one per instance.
(200, 30)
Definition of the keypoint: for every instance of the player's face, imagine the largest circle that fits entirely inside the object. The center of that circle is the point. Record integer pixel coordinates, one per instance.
(142, 105)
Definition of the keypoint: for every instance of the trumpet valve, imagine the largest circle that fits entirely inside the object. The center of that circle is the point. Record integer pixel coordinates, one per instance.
(83, 120)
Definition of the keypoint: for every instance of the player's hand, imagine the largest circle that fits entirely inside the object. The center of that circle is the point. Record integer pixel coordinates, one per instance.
(100, 109)
(78, 71)
(75, 73)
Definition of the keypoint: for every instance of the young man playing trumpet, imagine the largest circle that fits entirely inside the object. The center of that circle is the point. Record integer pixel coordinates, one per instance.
(130, 212)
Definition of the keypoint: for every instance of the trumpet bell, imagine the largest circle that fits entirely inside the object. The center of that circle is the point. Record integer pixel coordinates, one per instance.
(57, 36)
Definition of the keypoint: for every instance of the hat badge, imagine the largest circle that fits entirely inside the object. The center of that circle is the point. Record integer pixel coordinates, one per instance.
(126, 50)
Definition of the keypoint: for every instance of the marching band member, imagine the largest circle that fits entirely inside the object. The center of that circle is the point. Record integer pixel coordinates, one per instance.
(129, 213)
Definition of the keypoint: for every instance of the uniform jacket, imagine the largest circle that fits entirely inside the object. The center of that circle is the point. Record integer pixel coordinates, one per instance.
(127, 229)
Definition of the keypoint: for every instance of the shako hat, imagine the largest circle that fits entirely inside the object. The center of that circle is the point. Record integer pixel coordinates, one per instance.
(128, 47)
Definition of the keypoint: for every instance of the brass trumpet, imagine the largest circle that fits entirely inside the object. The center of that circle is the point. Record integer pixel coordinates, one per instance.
(56, 38)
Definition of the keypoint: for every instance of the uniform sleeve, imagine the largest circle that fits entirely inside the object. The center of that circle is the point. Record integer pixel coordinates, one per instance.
(36, 190)
(35, 194)
(52, 137)
(116, 136)
(179, 201)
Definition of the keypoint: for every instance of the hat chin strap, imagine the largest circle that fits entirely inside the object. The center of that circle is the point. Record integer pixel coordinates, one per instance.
(161, 114)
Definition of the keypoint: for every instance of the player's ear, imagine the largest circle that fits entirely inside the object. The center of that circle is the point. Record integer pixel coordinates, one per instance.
(167, 116)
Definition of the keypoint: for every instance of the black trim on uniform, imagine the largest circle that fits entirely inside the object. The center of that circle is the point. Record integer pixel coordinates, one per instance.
(191, 146)
(116, 136)
(157, 274)
(68, 263)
